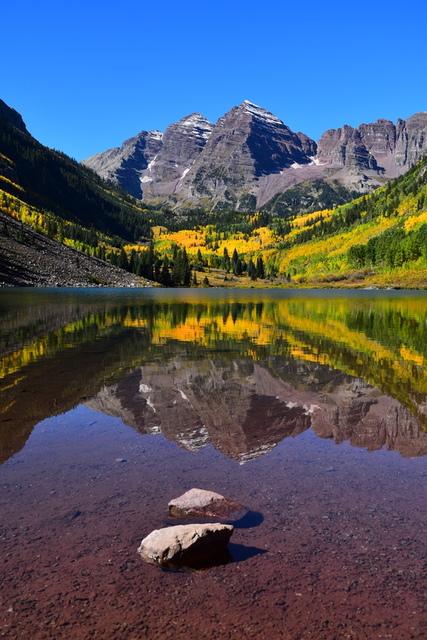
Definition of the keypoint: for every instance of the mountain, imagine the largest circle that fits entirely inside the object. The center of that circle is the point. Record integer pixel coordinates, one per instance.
(51, 181)
(152, 162)
(246, 144)
(49, 201)
(377, 240)
(250, 155)
(13, 117)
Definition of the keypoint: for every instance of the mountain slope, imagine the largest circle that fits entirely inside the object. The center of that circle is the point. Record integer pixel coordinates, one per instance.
(154, 162)
(376, 240)
(47, 201)
(31, 259)
(50, 180)
(250, 155)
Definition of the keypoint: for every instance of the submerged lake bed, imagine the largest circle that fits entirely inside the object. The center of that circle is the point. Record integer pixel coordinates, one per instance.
(309, 408)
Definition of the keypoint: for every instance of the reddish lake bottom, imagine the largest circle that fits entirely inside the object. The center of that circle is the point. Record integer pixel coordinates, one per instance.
(339, 550)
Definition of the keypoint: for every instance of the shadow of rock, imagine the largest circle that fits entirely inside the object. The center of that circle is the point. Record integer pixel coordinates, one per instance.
(234, 553)
(241, 553)
(249, 520)
(200, 565)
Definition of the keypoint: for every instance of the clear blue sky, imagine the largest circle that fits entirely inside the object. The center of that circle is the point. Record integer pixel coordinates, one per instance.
(86, 75)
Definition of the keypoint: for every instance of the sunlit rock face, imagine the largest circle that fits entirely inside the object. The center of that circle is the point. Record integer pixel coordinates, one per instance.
(185, 545)
(411, 140)
(202, 503)
(126, 165)
(380, 146)
(246, 143)
(250, 155)
(153, 163)
(245, 409)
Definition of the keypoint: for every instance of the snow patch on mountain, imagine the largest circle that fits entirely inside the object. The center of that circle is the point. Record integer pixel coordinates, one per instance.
(260, 113)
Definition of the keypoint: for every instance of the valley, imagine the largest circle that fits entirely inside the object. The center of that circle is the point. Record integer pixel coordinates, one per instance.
(190, 207)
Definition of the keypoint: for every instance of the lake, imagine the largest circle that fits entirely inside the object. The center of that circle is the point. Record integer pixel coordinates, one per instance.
(308, 407)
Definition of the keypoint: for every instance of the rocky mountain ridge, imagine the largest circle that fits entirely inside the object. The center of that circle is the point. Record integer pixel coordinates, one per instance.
(250, 155)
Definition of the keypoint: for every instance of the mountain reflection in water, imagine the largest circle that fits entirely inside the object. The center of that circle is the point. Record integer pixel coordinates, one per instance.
(239, 370)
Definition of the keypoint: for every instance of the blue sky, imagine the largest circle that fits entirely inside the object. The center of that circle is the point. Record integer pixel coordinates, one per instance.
(86, 75)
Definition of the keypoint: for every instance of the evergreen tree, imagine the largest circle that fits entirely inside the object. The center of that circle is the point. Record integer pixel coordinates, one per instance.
(133, 262)
(123, 262)
(199, 259)
(226, 260)
(165, 277)
(234, 259)
(186, 268)
(238, 270)
(157, 270)
(251, 270)
(181, 270)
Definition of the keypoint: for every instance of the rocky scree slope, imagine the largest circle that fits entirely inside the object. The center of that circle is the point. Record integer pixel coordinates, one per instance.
(31, 259)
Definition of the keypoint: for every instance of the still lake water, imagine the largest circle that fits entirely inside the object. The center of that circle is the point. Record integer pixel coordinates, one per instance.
(308, 407)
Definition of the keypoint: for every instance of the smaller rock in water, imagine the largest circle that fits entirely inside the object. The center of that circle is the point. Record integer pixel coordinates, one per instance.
(202, 503)
(187, 546)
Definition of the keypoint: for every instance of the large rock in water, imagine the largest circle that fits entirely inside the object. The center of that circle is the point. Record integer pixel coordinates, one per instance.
(200, 503)
(187, 545)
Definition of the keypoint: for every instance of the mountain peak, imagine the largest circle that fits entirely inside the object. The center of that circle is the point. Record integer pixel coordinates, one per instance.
(195, 118)
(259, 112)
(12, 116)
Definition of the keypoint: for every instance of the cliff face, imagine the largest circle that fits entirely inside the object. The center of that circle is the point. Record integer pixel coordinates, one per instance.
(182, 143)
(246, 143)
(250, 155)
(245, 409)
(381, 145)
(345, 148)
(152, 163)
(125, 165)
(411, 140)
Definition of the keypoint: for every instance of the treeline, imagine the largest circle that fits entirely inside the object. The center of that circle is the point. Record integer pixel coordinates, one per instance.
(178, 270)
(149, 264)
(235, 265)
(391, 249)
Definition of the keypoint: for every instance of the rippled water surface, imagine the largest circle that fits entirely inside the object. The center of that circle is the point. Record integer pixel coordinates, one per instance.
(310, 408)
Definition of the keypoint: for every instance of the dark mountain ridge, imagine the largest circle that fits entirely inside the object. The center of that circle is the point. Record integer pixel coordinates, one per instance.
(52, 181)
(47, 198)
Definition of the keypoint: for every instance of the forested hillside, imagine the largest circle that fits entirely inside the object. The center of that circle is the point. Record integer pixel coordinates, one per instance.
(378, 239)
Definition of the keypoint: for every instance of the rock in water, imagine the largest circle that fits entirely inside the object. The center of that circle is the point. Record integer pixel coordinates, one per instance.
(187, 545)
(201, 503)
